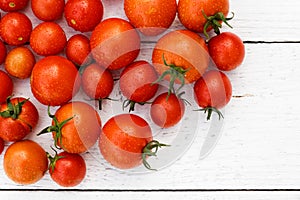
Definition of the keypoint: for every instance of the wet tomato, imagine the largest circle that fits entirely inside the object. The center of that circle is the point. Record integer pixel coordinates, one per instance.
(7, 86)
(3, 52)
(48, 10)
(13, 5)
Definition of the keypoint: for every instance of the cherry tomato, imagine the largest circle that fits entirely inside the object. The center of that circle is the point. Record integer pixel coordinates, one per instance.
(19, 62)
(136, 83)
(25, 162)
(57, 88)
(48, 10)
(3, 52)
(227, 51)
(75, 127)
(13, 5)
(151, 17)
(115, 43)
(213, 91)
(48, 38)
(83, 15)
(1, 145)
(167, 110)
(15, 28)
(67, 169)
(7, 86)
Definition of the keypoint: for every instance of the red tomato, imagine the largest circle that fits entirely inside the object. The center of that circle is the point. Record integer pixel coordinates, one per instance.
(54, 80)
(136, 83)
(190, 12)
(83, 15)
(48, 10)
(13, 5)
(78, 50)
(18, 117)
(19, 62)
(151, 17)
(97, 82)
(25, 162)
(227, 51)
(77, 128)
(48, 38)
(1, 145)
(167, 110)
(15, 28)
(67, 169)
(7, 86)
(3, 52)
(115, 43)
(213, 91)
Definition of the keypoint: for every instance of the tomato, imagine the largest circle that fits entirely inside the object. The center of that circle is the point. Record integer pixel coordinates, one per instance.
(48, 38)
(19, 62)
(83, 15)
(136, 83)
(7, 86)
(3, 52)
(75, 127)
(125, 141)
(115, 43)
(151, 17)
(67, 169)
(78, 50)
(54, 80)
(227, 51)
(48, 10)
(15, 28)
(97, 82)
(167, 110)
(213, 91)
(191, 12)
(180, 56)
(13, 5)
(1, 145)
(18, 117)
(25, 162)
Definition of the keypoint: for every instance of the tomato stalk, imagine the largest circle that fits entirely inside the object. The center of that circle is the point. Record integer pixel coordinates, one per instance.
(13, 111)
(214, 22)
(150, 150)
(53, 160)
(56, 128)
(131, 104)
(209, 110)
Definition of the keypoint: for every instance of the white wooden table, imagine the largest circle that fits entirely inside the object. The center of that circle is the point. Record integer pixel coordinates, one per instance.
(258, 154)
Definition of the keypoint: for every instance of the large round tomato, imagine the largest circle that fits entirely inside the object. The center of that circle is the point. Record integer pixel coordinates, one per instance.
(18, 117)
(7, 86)
(48, 10)
(25, 162)
(115, 43)
(76, 127)
(191, 12)
(54, 80)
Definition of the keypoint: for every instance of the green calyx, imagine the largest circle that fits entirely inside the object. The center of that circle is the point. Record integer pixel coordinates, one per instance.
(214, 21)
(53, 160)
(56, 128)
(13, 111)
(150, 150)
(131, 104)
(209, 110)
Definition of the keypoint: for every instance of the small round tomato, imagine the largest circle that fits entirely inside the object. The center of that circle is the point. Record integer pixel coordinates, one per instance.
(227, 51)
(3, 52)
(48, 10)
(97, 82)
(13, 5)
(167, 110)
(213, 91)
(115, 43)
(78, 50)
(25, 162)
(191, 13)
(1, 145)
(75, 127)
(54, 80)
(19, 62)
(136, 83)
(83, 15)
(15, 28)
(151, 17)
(67, 169)
(48, 38)
(18, 117)
(7, 86)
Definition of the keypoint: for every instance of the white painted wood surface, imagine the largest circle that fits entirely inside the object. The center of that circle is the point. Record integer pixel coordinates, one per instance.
(259, 145)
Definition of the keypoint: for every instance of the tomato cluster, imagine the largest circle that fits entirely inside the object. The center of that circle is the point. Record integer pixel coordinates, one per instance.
(59, 66)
